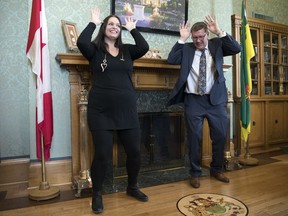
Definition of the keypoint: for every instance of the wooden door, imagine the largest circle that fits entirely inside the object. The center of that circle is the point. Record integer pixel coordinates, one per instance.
(256, 137)
(276, 122)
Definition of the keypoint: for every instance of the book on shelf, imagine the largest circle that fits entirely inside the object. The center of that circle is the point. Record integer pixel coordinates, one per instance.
(284, 42)
(267, 90)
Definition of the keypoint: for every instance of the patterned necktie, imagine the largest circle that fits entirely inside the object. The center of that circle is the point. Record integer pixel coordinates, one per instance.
(202, 74)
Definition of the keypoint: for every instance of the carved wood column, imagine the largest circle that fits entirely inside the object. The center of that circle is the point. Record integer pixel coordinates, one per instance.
(85, 145)
(79, 77)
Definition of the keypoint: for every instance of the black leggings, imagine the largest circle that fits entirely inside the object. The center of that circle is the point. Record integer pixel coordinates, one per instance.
(103, 147)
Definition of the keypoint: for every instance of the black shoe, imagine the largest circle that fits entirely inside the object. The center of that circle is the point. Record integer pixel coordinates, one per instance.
(136, 193)
(97, 204)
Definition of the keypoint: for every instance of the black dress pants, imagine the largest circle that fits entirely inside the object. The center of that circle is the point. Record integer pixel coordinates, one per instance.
(103, 150)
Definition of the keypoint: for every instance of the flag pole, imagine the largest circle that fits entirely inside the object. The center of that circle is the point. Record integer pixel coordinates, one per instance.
(45, 191)
(247, 54)
(38, 54)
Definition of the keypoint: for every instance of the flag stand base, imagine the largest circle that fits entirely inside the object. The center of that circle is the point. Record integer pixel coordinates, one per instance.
(247, 160)
(44, 192)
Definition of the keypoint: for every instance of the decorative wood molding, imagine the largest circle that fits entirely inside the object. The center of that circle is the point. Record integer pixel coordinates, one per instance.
(261, 24)
(68, 59)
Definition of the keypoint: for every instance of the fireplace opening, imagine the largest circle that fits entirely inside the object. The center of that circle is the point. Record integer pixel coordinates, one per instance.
(162, 143)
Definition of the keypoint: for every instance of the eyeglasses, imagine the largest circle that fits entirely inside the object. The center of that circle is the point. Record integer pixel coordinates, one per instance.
(199, 37)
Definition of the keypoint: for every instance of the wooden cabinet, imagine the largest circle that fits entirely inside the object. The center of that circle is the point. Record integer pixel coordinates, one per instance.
(257, 137)
(269, 75)
(276, 122)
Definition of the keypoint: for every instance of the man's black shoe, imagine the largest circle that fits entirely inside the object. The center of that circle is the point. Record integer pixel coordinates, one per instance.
(136, 193)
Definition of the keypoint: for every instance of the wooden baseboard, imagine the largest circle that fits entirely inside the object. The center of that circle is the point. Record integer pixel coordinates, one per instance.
(14, 171)
(19, 171)
(261, 150)
(57, 173)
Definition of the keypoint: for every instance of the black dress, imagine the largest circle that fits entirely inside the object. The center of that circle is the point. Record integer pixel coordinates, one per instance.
(112, 98)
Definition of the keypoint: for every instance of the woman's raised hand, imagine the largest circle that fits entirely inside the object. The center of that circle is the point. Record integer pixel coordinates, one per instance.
(95, 16)
(129, 23)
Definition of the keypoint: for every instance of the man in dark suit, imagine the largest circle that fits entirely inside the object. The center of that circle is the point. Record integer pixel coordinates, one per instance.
(201, 87)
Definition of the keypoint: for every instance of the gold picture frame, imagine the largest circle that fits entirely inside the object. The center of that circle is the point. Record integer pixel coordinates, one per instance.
(70, 34)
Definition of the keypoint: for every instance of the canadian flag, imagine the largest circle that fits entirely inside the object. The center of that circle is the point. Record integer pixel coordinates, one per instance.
(38, 53)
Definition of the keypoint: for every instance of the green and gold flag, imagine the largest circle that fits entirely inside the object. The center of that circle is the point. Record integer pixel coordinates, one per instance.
(245, 75)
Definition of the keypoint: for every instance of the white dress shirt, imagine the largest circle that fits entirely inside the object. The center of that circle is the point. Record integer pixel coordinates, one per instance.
(192, 80)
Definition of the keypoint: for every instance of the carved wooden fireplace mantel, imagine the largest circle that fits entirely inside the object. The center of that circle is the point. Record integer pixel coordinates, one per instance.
(148, 74)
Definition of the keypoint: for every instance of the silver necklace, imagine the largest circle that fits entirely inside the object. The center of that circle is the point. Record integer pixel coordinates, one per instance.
(122, 58)
(104, 63)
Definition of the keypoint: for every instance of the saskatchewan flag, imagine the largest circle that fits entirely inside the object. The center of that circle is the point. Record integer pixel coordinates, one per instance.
(245, 75)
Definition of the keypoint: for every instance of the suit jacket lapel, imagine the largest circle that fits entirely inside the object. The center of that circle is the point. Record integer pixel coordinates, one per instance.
(212, 49)
(191, 56)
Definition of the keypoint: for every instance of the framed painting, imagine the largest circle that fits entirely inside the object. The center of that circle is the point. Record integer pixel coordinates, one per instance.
(157, 16)
(70, 34)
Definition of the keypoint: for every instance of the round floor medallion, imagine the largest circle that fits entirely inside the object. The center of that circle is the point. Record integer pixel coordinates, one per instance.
(211, 204)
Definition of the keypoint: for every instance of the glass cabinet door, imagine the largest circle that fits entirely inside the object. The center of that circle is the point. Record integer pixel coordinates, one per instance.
(267, 64)
(272, 85)
(254, 63)
(284, 64)
(275, 64)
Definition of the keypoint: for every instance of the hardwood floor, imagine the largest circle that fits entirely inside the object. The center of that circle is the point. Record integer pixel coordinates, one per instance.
(262, 188)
